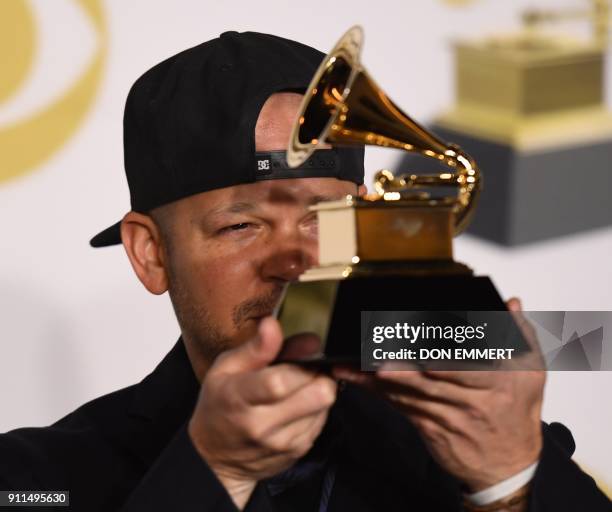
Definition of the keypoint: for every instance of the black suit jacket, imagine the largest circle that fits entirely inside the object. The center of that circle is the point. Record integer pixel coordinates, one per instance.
(129, 451)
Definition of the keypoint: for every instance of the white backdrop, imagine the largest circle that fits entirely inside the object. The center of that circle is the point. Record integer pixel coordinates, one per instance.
(74, 321)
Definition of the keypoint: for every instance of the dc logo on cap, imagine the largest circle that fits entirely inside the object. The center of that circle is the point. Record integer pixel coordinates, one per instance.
(263, 165)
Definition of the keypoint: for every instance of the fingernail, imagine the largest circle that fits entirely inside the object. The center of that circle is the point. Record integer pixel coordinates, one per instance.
(342, 374)
(350, 376)
(514, 304)
(388, 367)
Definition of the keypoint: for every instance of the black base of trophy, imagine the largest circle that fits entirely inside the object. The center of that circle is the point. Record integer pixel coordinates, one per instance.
(339, 304)
(533, 195)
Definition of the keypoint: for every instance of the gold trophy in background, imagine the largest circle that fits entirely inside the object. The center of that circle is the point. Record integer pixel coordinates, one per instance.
(392, 249)
(531, 108)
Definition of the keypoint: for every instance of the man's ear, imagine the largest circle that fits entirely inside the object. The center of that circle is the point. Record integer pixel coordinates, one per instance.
(143, 244)
(362, 190)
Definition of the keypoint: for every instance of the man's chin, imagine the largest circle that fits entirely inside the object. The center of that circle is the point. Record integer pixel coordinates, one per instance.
(247, 330)
(211, 347)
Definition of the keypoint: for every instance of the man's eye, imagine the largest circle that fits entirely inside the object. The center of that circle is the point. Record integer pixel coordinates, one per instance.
(236, 227)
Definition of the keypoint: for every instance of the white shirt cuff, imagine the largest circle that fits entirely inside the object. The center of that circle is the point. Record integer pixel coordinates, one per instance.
(503, 488)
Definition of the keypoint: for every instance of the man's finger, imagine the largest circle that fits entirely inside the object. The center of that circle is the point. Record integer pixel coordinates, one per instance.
(514, 304)
(420, 384)
(273, 384)
(317, 396)
(447, 416)
(357, 377)
(532, 359)
(479, 379)
(256, 353)
(527, 330)
(300, 346)
(297, 436)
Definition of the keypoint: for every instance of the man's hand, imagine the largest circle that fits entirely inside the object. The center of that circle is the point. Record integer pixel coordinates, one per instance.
(252, 420)
(481, 426)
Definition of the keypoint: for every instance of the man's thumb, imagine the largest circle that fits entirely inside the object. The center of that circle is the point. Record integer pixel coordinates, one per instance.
(259, 351)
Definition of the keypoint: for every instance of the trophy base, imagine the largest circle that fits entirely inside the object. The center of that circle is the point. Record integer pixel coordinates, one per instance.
(332, 308)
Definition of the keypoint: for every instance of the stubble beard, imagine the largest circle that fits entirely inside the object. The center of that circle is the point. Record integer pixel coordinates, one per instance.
(199, 328)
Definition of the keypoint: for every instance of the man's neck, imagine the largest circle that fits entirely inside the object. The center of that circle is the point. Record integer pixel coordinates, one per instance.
(200, 363)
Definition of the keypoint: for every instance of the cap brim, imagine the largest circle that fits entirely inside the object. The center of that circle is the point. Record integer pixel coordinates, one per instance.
(110, 236)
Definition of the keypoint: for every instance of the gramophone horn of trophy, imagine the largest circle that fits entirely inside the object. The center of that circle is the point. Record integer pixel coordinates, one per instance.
(391, 249)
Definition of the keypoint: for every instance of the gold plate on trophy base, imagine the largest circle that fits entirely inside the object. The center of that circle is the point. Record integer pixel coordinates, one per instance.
(354, 230)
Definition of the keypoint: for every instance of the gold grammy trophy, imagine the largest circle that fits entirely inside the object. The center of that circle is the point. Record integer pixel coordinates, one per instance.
(392, 249)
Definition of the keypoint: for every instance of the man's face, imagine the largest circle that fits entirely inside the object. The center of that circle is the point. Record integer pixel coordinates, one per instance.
(231, 251)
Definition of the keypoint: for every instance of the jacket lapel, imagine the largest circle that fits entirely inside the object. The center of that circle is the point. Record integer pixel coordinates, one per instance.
(161, 404)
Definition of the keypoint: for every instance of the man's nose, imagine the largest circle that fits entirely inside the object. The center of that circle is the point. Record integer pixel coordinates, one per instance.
(288, 259)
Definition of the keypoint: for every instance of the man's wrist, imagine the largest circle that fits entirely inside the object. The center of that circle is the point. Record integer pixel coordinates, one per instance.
(514, 502)
(511, 489)
(495, 476)
(239, 489)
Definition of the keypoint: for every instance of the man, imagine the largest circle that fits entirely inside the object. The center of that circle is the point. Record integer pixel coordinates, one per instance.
(217, 426)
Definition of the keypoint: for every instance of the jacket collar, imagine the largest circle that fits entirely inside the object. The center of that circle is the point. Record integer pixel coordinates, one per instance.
(161, 404)
(169, 390)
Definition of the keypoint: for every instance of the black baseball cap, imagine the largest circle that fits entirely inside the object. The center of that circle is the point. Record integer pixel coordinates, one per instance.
(189, 122)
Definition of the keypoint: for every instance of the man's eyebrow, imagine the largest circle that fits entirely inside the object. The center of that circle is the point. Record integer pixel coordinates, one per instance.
(242, 206)
(239, 207)
(320, 198)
